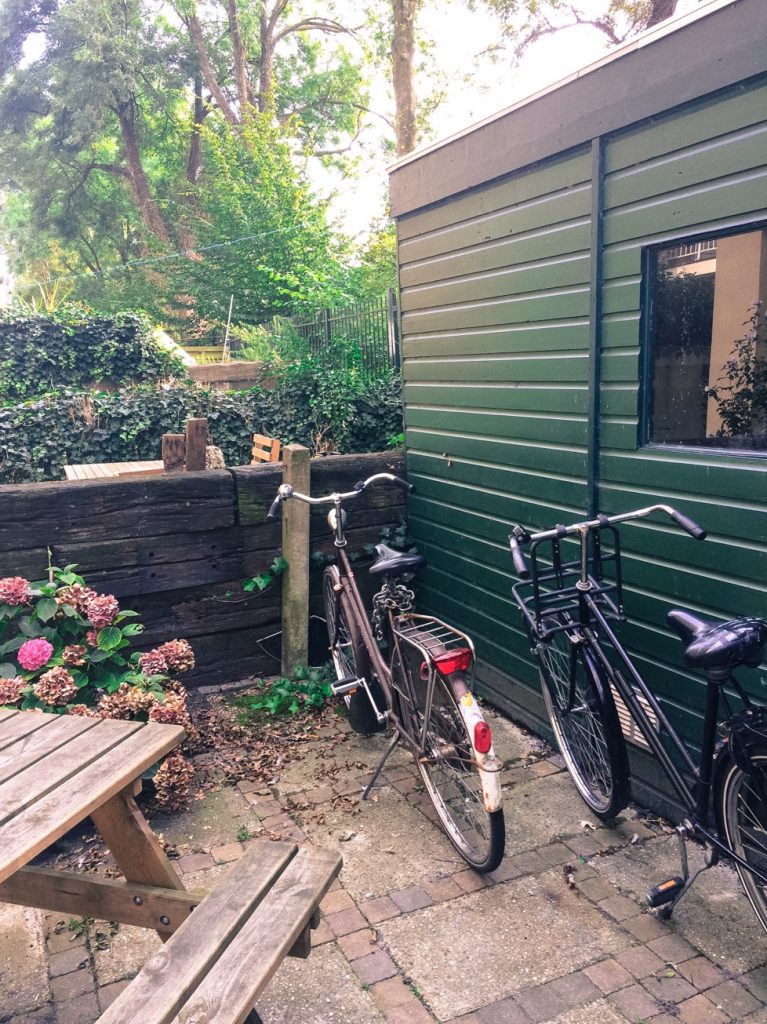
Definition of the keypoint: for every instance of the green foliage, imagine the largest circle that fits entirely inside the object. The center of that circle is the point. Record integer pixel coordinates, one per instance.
(306, 689)
(740, 392)
(310, 405)
(74, 348)
(267, 577)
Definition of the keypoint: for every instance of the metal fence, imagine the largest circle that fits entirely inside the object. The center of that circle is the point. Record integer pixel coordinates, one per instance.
(367, 332)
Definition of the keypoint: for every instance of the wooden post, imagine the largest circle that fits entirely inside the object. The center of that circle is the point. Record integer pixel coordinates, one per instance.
(173, 452)
(295, 550)
(196, 441)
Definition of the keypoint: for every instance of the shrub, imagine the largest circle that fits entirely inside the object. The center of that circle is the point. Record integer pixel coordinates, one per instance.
(312, 404)
(64, 650)
(76, 349)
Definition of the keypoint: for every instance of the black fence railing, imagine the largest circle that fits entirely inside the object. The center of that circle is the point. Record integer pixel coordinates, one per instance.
(366, 332)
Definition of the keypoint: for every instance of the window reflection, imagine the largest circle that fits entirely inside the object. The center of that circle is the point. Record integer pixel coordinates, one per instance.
(709, 343)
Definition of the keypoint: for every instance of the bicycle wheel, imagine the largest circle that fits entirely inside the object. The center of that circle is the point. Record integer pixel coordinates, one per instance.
(449, 767)
(741, 807)
(585, 723)
(350, 656)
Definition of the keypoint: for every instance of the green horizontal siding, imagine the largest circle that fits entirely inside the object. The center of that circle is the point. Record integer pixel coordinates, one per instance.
(495, 290)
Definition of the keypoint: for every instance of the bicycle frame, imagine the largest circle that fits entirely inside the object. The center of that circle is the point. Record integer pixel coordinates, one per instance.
(589, 595)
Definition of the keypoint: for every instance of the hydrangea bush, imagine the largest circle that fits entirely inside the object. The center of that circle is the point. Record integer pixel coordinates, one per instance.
(63, 650)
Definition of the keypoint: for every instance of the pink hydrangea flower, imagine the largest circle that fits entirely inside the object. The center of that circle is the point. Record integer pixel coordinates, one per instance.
(101, 610)
(33, 654)
(14, 590)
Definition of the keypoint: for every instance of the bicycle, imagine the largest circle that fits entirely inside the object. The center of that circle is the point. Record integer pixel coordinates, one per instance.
(566, 606)
(421, 689)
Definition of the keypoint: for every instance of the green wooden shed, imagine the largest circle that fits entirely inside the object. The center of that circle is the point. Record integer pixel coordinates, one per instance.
(580, 277)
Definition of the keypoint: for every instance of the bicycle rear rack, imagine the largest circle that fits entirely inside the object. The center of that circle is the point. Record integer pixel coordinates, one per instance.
(431, 637)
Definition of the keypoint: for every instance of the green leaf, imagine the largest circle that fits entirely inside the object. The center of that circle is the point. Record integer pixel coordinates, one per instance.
(8, 670)
(46, 608)
(132, 629)
(109, 638)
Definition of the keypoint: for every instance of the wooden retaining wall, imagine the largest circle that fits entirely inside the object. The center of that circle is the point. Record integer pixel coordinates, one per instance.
(176, 548)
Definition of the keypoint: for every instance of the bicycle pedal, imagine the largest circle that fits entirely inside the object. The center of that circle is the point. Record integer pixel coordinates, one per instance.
(346, 685)
(665, 892)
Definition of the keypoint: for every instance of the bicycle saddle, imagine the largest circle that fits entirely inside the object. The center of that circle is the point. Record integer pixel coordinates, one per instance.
(714, 644)
(394, 563)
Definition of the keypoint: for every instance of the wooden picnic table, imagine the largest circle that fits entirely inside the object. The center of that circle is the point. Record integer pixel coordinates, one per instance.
(56, 770)
(102, 470)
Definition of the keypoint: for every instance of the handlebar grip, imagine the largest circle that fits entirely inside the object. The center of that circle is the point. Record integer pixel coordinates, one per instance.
(689, 525)
(403, 484)
(518, 558)
(275, 510)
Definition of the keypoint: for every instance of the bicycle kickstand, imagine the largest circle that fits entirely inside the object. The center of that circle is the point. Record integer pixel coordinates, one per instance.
(664, 897)
(389, 750)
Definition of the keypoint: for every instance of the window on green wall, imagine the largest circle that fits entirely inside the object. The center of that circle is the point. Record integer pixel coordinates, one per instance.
(708, 343)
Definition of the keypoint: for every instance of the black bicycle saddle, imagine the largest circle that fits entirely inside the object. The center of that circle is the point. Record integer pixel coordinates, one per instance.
(713, 644)
(394, 563)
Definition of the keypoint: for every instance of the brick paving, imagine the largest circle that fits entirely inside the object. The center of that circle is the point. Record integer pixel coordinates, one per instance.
(629, 967)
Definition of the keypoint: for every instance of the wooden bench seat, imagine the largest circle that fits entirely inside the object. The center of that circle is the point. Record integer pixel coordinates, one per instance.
(214, 967)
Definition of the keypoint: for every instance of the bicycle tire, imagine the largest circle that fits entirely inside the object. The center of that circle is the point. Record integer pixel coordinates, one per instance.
(453, 783)
(350, 656)
(588, 735)
(742, 816)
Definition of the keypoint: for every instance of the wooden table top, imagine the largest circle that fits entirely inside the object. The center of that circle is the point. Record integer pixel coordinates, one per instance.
(100, 470)
(56, 769)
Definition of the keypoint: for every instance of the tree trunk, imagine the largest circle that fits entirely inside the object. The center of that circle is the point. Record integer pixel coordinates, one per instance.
(194, 157)
(244, 91)
(147, 208)
(403, 56)
(195, 32)
(660, 10)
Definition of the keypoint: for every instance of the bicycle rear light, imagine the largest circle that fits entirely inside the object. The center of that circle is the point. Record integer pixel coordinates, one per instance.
(483, 739)
(456, 660)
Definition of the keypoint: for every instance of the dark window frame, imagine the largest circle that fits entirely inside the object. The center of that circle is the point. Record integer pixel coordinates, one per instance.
(646, 344)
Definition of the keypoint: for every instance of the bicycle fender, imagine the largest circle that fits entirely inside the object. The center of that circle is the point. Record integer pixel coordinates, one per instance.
(488, 764)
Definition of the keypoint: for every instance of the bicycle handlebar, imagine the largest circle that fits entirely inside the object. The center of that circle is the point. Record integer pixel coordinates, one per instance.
(286, 491)
(520, 536)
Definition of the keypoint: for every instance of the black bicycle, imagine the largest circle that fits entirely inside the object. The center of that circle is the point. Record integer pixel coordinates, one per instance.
(567, 606)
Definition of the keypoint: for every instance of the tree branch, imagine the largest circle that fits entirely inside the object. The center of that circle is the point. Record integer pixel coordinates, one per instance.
(194, 28)
(326, 25)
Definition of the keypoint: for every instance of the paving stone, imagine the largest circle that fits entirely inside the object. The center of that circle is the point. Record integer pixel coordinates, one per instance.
(608, 975)
(67, 961)
(346, 921)
(733, 998)
(108, 994)
(470, 881)
(529, 863)
(412, 898)
(574, 989)
(540, 769)
(227, 853)
(62, 938)
(375, 967)
(555, 853)
(596, 888)
(391, 992)
(320, 795)
(668, 986)
(380, 909)
(338, 899)
(321, 934)
(640, 961)
(410, 1013)
(83, 1010)
(505, 1011)
(45, 1015)
(756, 983)
(700, 972)
(195, 862)
(672, 949)
(645, 927)
(357, 944)
(440, 889)
(635, 1003)
(508, 869)
(619, 907)
(69, 986)
(540, 1003)
(700, 1010)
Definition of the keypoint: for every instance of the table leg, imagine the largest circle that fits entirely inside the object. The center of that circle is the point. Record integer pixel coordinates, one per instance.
(133, 844)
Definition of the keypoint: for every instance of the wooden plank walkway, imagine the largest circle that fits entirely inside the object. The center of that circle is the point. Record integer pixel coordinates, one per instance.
(98, 470)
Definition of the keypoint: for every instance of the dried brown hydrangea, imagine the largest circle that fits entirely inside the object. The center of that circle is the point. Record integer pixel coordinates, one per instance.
(178, 655)
(10, 690)
(172, 782)
(83, 710)
(77, 596)
(15, 590)
(153, 663)
(55, 687)
(126, 702)
(101, 610)
(74, 654)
